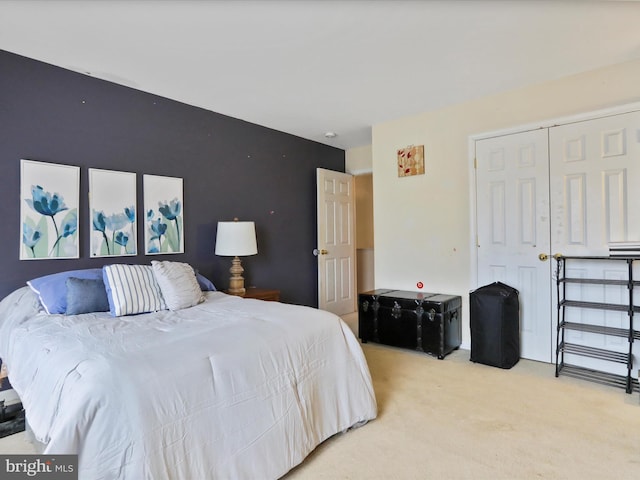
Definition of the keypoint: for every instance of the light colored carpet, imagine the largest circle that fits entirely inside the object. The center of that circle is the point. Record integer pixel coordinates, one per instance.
(453, 419)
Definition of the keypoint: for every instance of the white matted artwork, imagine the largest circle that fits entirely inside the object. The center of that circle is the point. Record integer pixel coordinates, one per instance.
(112, 210)
(164, 210)
(49, 196)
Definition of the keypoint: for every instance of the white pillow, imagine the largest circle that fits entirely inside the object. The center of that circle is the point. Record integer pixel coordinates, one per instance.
(132, 289)
(179, 285)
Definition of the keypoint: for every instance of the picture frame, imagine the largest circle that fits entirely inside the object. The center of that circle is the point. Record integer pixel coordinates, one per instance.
(112, 213)
(164, 214)
(49, 200)
(410, 161)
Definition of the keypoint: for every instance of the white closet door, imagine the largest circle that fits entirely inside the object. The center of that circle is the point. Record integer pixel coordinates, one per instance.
(595, 183)
(595, 199)
(512, 187)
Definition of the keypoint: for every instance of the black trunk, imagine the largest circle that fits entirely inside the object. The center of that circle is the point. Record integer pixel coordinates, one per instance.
(426, 322)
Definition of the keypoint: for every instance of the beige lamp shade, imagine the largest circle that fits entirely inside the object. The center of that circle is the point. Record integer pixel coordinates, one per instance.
(236, 239)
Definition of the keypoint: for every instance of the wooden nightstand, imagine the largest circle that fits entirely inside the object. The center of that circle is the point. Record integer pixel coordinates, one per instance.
(263, 294)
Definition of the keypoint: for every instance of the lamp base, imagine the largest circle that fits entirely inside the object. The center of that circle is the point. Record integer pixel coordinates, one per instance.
(236, 282)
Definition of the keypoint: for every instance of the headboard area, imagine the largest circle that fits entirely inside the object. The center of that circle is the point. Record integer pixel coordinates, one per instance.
(229, 168)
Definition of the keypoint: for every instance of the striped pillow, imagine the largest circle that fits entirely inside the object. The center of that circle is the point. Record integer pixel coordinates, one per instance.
(132, 289)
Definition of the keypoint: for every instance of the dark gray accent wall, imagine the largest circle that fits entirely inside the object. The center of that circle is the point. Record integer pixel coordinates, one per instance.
(230, 168)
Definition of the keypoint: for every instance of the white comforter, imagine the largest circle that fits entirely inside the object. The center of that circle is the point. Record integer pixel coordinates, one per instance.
(230, 389)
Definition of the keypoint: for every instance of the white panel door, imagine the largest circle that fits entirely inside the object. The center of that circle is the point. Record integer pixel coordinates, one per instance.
(336, 242)
(595, 194)
(512, 187)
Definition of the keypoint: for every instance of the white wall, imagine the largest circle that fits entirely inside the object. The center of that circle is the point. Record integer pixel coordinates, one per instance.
(358, 160)
(422, 223)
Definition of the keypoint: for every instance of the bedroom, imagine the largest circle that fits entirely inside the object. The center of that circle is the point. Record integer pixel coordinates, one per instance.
(444, 132)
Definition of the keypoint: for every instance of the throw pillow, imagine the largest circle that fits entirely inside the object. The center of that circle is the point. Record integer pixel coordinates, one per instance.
(85, 295)
(132, 289)
(178, 283)
(206, 285)
(52, 289)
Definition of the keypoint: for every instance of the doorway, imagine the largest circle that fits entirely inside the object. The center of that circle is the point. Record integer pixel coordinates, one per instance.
(365, 267)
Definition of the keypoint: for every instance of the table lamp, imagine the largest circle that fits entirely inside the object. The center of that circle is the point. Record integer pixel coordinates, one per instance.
(236, 239)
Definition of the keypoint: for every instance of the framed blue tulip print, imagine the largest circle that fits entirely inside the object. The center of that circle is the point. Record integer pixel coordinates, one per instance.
(49, 195)
(163, 211)
(112, 213)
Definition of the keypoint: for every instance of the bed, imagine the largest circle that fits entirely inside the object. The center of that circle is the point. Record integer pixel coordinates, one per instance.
(228, 388)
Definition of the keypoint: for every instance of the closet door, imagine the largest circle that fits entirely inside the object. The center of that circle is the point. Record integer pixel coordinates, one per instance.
(595, 180)
(512, 188)
(595, 199)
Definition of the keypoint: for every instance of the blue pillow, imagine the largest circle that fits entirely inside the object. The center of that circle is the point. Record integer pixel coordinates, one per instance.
(52, 289)
(86, 295)
(206, 285)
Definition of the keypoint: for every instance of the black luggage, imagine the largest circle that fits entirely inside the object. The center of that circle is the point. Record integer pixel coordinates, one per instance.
(495, 325)
(426, 322)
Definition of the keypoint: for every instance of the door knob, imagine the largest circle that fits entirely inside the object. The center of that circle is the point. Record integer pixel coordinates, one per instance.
(317, 252)
(543, 257)
(323, 252)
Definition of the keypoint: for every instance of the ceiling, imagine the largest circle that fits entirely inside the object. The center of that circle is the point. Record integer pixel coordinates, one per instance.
(308, 67)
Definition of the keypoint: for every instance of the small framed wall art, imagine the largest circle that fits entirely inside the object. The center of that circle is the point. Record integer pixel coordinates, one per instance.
(49, 197)
(411, 161)
(112, 206)
(164, 228)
